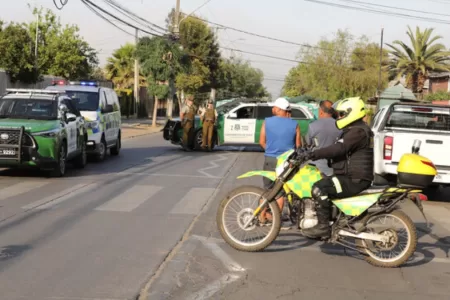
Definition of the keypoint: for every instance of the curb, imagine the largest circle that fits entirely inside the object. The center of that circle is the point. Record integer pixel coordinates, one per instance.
(143, 134)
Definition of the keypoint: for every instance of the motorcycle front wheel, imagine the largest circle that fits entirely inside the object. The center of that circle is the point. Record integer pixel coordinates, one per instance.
(234, 212)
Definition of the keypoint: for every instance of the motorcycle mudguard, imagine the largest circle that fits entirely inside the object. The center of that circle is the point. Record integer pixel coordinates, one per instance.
(268, 174)
(354, 206)
(302, 182)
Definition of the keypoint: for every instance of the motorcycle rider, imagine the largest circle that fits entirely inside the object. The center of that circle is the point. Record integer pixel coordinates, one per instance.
(350, 157)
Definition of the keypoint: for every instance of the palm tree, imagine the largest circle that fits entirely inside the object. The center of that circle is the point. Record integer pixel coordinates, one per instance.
(416, 61)
(120, 69)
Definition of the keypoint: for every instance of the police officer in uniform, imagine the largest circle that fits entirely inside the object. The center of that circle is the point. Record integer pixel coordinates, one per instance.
(187, 117)
(208, 119)
(351, 158)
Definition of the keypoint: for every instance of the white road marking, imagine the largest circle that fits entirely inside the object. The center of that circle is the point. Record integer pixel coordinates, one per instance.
(193, 201)
(231, 265)
(213, 165)
(130, 199)
(170, 175)
(64, 195)
(20, 188)
(208, 291)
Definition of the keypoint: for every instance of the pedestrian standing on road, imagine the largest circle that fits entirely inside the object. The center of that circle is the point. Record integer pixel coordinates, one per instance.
(325, 131)
(278, 134)
(187, 116)
(209, 118)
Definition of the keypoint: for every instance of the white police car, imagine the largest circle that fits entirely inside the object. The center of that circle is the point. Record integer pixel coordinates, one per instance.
(101, 110)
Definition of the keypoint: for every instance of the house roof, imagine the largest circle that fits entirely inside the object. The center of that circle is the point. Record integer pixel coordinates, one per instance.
(398, 92)
(438, 74)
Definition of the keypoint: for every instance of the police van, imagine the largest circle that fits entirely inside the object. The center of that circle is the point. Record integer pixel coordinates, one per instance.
(101, 110)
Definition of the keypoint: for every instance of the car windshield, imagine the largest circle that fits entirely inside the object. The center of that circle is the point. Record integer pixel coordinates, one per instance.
(85, 101)
(17, 108)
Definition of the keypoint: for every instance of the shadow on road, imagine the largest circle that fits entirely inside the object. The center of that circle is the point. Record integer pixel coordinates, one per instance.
(12, 251)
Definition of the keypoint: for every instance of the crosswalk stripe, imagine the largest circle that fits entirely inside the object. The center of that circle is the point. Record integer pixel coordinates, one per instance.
(55, 199)
(130, 199)
(193, 201)
(20, 188)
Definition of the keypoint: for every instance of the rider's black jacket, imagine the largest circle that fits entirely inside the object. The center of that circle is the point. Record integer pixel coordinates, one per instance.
(352, 154)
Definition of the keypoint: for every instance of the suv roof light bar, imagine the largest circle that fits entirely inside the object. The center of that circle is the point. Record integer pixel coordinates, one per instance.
(33, 91)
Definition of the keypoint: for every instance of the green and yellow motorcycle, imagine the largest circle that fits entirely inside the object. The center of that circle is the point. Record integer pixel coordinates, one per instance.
(365, 218)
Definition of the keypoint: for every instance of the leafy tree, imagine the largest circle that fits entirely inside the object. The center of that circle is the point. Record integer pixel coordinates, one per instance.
(239, 78)
(438, 96)
(337, 68)
(17, 53)
(160, 61)
(417, 60)
(199, 42)
(120, 69)
(61, 50)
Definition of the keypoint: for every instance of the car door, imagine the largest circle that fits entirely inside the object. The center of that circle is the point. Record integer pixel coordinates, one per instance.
(263, 111)
(239, 127)
(301, 118)
(108, 117)
(71, 128)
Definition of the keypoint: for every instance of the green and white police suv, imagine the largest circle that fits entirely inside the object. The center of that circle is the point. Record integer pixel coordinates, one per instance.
(41, 128)
(101, 109)
(237, 124)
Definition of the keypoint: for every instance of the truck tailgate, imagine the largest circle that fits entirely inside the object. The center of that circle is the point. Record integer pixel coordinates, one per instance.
(434, 146)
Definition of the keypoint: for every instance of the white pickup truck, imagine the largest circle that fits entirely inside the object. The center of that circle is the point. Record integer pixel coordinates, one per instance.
(397, 125)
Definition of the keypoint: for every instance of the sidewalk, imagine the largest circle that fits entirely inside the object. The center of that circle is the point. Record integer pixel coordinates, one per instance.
(140, 130)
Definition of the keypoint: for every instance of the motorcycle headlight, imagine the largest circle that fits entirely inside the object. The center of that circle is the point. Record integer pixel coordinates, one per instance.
(281, 168)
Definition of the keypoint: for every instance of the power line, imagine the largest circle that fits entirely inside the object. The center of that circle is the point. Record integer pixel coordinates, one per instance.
(89, 3)
(61, 4)
(109, 21)
(262, 36)
(135, 17)
(399, 8)
(433, 20)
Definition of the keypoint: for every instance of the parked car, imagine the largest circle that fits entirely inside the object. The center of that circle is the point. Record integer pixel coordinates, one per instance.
(397, 124)
(41, 128)
(101, 109)
(236, 124)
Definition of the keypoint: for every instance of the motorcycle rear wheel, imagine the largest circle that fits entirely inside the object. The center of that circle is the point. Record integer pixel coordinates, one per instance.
(374, 259)
(226, 234)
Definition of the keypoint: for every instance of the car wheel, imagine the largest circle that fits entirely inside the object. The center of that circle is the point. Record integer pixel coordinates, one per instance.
(81, 160)
(116, 149)
(60, 169)
(198, 139)
(102, 151)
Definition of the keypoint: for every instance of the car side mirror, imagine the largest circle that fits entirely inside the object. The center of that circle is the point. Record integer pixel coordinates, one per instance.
(232, 115)
(107, 109)
(63, 108)
(70, 117)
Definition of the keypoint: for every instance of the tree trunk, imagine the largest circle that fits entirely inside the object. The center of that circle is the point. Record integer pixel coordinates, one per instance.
(155, 110)
(213, 95)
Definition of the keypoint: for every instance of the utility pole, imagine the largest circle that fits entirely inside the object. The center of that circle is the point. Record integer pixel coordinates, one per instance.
(36, 46)
(136, 78)
(176, 20)
(381, 61)
(176, 34)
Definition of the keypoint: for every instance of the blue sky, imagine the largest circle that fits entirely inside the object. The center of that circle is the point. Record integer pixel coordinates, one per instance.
(295, 20)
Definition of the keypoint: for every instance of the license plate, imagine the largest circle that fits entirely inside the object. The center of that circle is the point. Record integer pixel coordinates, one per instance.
(7, 152)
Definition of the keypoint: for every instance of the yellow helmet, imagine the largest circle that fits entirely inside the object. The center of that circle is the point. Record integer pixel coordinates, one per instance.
(348, 111)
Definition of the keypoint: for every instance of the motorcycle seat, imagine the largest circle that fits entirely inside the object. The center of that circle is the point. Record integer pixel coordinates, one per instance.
(374, 189)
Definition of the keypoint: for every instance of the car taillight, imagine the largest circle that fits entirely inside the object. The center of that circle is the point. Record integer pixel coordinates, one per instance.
(388, 147)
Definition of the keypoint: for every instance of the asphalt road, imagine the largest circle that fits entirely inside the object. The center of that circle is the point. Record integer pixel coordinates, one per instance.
(143, 224)
(101, 232)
